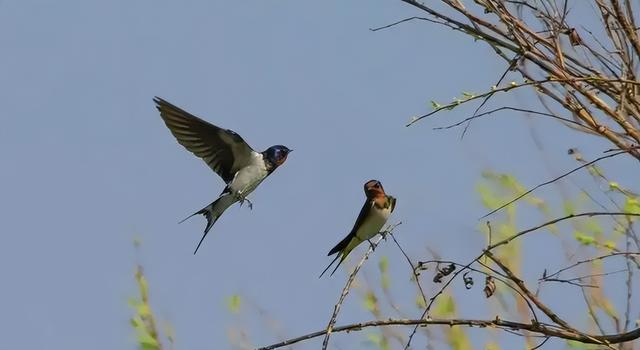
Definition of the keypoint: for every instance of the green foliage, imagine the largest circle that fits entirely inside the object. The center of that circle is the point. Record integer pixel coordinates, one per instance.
(445, 306)
(632, 205)
(584, 239)
(383, 265)
(572, 344)
(371, 302)
(233, 303)
(143, 320)
(378, 340)
(420, 302)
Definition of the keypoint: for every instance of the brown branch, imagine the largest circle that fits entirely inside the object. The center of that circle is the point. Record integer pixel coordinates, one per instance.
(554, 221)
(347, 287)
(520, 283)
(536, 328)
(496, 276)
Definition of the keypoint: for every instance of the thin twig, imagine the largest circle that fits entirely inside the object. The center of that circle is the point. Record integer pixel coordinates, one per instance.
(556, 220)
(555, 274)
(536, 113)
(520, 283)
(347, 287)
(552, 181)
(406, 20)
(413, 268)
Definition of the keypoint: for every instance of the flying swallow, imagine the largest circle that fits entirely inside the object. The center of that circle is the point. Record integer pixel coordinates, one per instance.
(373, 215)
(226, 153)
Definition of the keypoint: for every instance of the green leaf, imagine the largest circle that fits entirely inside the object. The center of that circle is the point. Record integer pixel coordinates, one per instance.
(420, 302)
(632, 205)
(584, 239)
(492, 346)
(568, 207)
(136, 322)
(446, 306)
(488, 198)
(593, 226)
(233, 303)
(133, 302)
(370, 302)
(374, 338)
(143, 310)
(573, 344)
(610, 244)
(435, 105)
(144, 286)
(383, 264)
(147, 342)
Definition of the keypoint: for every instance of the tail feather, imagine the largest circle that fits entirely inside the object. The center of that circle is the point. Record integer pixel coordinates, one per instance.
(212, 213)
(332, 261)
(343, 250)
(341, 245)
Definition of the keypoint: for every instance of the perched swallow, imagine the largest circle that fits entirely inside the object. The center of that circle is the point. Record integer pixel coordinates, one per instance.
(372, 217)
(226, 153)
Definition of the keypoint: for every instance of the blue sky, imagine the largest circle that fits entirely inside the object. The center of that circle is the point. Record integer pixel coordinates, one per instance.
(88, 164)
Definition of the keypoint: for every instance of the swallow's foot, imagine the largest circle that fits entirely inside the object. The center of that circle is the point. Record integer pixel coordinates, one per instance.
(249, 204)
(373, 246)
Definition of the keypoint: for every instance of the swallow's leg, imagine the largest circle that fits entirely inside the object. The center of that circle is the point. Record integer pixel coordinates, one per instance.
(373, 247)
(249, 204)
(243, 199)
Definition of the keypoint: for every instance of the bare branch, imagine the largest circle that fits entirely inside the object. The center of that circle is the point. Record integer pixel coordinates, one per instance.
(347, 287)
(536, 328)
(552, 181)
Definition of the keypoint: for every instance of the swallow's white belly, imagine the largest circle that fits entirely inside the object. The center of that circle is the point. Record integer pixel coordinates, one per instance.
(372, 225)
(248, 178)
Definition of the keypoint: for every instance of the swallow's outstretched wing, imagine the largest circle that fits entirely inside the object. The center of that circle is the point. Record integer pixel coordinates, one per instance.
(223, 150)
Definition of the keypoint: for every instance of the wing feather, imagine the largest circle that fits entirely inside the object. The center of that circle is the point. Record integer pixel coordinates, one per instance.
(224, 151)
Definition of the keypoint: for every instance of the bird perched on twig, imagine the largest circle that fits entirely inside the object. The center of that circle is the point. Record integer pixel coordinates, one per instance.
(226, 153)
(373, 215)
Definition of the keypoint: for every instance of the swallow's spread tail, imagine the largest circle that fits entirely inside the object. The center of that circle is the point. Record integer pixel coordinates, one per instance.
(343, 250)
(213, 212)
(333, 261)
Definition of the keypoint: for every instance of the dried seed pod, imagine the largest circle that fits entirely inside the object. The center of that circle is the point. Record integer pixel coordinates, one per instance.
(489, 286)
(468, 280)
(445, 271)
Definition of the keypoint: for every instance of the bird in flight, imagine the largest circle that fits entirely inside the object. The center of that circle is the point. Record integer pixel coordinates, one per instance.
(226, 153)
(373, 215)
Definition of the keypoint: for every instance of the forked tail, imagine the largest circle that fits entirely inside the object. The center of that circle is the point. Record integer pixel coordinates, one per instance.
(213, 212)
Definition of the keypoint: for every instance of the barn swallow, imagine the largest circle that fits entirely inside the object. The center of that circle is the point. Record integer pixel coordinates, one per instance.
(226, 153)
(373, 215)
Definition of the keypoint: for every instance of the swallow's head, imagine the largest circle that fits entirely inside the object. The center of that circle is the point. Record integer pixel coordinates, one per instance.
(373, 189)
(277, 154)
